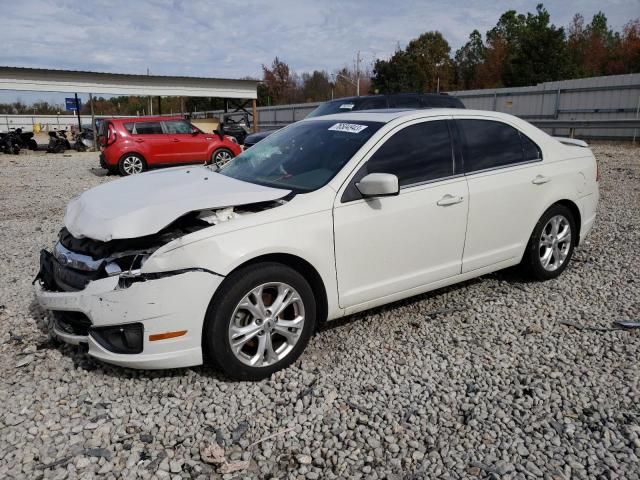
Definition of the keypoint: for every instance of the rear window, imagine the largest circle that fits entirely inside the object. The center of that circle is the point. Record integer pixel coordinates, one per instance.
(147, 128)
(328, 108)
(406, 101)
(128, 127)
(490, 144)
(178, 126)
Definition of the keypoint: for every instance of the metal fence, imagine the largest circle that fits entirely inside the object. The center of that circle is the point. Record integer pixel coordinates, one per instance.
(598, 107)
(44, 123)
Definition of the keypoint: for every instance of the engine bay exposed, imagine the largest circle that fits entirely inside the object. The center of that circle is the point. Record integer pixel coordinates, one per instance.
(75, 262)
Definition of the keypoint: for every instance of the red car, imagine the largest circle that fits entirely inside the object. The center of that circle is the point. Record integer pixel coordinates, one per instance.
(133, 145)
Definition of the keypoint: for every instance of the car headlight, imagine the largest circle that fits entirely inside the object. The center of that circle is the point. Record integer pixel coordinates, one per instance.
(231, 139)
(127, 267)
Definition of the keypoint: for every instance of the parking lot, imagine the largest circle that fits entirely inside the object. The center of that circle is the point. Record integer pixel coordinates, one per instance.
(496, 378)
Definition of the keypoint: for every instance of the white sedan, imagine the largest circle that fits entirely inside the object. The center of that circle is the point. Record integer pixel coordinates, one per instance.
(327, 217)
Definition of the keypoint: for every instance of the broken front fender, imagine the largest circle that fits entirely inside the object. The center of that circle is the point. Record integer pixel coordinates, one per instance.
(168, 303)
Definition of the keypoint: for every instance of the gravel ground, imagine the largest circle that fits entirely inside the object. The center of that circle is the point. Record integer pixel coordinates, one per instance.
(478, 380)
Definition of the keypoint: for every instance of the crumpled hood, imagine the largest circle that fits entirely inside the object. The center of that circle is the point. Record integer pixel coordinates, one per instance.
(144, 204)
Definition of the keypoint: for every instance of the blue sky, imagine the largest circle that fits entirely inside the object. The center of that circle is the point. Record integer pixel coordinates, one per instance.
(233, 39)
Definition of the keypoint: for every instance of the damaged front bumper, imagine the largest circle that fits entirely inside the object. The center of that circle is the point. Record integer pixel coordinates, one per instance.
(113, 315)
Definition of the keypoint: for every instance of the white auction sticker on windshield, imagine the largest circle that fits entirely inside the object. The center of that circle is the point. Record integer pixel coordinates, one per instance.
(347, 106)
(348, 127)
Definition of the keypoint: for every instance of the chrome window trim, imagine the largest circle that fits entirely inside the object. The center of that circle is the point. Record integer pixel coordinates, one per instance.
(435, 180)
(502, 167)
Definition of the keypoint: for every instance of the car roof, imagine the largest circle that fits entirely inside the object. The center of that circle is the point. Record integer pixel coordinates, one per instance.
(390, 95)
(389, 114)
(145, 119)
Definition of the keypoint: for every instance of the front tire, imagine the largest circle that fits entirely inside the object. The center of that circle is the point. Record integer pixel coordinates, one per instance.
(551, 244)
(259, 321)
(131, 164)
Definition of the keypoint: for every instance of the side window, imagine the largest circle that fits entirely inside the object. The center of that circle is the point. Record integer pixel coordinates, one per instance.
(489, 144)
(372, 104)
(148, 128)
(530, 149)
(415, 154)
(441, 101)
(178, 126)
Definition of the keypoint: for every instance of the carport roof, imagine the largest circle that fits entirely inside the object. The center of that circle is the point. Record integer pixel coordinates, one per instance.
(74, 81)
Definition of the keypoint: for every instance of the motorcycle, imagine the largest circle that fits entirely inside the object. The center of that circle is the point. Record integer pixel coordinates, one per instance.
(26, 139)
(57, 143)
(63, 136)
(84, 140)
(10, 142)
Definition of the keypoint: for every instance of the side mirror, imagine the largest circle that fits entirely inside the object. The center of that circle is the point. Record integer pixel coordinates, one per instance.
(220, 130)
(378, 185)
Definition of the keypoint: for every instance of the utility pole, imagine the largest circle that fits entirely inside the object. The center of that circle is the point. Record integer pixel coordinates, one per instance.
(358, 74)
(93, 124)
(78, 113)
(150, 98)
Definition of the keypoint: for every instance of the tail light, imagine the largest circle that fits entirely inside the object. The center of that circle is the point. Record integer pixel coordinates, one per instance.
(110, 136)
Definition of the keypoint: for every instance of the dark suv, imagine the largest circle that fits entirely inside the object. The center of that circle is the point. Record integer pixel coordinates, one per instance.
(372, 102)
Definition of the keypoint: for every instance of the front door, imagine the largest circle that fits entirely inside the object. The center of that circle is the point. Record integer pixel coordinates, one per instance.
(389, 245)
(185, 143)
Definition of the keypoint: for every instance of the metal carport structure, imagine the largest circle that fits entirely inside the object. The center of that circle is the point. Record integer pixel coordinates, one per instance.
(72, 81)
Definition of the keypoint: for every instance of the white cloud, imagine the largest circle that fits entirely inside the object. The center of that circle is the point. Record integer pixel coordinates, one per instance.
(227, 38)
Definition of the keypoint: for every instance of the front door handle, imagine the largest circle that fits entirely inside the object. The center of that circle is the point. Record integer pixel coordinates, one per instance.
(449, 200)
(176, 140)
(540, 179)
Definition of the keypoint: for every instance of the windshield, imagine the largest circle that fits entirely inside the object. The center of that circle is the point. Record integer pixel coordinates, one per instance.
(329, 108)
(302, 157)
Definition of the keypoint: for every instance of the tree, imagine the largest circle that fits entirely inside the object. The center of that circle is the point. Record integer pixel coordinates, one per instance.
(279, 82)
(467, 60)
(535, 49)
(489, 74)
(420, 67)
(316, 86)
(629, 48)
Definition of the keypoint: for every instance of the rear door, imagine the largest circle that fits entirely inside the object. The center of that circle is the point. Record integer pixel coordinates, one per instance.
(502, 166)
(185, 143)
(150, 141)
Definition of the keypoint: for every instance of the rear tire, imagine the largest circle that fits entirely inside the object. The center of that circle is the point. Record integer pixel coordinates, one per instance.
(131, 164)
(551, 244)
(32, 144)
(221, 157)
(240, 325)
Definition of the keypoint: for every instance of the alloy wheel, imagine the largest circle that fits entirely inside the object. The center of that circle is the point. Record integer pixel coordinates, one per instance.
(222, 158)
(555, 243)
(132, 165)
(266, 324)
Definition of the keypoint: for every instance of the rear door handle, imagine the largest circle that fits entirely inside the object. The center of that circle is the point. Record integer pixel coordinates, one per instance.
(540, 179)
(449, 200)
(139, 140)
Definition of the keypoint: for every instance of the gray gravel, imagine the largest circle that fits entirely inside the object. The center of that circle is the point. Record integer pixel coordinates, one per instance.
(478, 380)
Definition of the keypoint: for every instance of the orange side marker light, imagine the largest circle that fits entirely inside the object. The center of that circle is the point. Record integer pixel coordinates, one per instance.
(166, 335)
